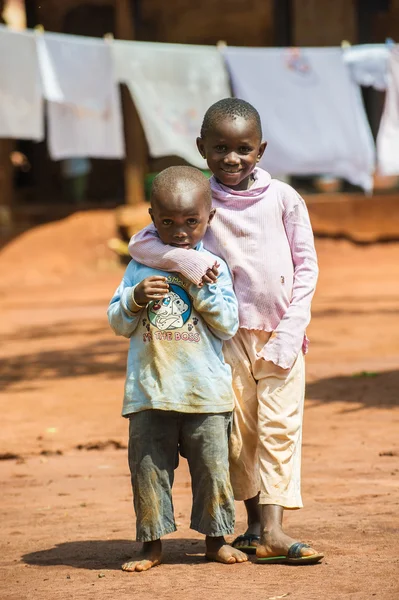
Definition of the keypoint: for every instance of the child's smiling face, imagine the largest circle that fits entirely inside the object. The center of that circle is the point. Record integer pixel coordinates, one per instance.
(232, 148)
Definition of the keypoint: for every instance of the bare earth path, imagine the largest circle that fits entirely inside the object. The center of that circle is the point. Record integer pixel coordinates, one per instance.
(66, 514)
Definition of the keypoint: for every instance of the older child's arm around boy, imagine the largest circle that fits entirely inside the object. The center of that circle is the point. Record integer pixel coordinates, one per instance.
(216, 302)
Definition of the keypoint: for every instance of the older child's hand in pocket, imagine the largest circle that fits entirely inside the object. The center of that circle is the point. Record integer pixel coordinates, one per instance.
(151, 288)
(278, 371)
(270, 369)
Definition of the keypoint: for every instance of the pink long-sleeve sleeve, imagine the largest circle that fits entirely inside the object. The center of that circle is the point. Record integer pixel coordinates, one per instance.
(287, 339)
(146, 247)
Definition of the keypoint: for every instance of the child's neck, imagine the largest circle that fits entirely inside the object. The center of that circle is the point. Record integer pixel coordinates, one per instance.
(244, 185)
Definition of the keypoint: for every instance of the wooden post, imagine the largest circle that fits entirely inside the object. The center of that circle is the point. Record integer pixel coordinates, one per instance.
(136, 164)
(14, 15)
(318, 23)
(6, 186)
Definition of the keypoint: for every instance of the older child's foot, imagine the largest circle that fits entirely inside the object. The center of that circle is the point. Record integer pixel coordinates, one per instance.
(150, 556)
(248, 541)
(277, 543)
(219, 551)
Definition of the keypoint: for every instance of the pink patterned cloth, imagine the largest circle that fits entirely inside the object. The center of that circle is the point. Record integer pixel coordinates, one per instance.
(265, 236)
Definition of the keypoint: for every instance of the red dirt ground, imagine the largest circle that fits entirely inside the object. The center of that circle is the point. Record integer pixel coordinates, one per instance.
(66, 513)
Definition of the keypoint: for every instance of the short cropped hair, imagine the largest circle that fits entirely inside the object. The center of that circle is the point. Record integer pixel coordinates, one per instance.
(230, 108)
(180, 179)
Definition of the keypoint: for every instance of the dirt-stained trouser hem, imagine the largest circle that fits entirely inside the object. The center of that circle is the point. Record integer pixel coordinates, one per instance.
(155, 439)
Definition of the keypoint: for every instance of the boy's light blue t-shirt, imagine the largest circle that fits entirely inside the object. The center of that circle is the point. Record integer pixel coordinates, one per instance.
(175, 360)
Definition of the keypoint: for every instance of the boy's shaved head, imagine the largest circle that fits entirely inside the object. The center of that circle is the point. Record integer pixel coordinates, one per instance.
(230, 108)
(180, 180)
(181, 206)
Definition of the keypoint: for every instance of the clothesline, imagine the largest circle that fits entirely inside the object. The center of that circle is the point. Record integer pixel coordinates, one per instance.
(309, 99)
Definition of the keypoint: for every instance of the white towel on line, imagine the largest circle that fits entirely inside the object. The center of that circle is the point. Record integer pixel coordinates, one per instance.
(388, 134)
(172, 86)
(312, 112)
(21, 102)
(84, 107)
(368, 64)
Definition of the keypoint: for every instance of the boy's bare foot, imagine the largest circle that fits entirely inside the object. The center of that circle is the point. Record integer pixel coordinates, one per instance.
(218, 550)
(150, 556)
(277, 543)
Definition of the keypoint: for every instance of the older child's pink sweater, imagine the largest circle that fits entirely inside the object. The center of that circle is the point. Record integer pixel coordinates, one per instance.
(264, 235)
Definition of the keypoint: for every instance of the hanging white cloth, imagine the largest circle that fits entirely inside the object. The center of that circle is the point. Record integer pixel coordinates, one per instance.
(21, 102)
(388, 134)
(312, 112)
(368, 64)
(84, 107)
(172, 86)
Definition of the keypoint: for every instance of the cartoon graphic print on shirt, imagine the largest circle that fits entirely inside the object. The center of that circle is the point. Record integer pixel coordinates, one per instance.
(172, 311)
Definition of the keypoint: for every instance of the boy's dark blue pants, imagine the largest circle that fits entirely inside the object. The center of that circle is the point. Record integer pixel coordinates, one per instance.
(155, 439)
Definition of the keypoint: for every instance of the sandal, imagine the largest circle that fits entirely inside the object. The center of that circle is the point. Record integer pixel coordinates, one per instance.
(248, 548)
(293, 557)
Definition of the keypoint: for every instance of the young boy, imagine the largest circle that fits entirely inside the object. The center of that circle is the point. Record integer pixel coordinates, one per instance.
(262, 230)
(178, 391)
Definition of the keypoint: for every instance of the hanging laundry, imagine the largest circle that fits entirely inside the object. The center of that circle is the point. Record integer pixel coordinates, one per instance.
(84, 107)
(368, 64)
(21, 103)
(172, 86)
(312, 112)
(388, 135)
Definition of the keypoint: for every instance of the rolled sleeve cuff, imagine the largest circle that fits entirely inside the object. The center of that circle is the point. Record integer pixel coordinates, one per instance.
(130, 304)
(273, 353)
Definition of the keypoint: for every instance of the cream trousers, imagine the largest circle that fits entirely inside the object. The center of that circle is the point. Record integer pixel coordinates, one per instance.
(265, 445)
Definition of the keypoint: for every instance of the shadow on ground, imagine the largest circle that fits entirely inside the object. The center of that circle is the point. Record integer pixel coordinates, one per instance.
(110, 554)
(362, 390)
(62, 329)
(105, 357)
(105, 354)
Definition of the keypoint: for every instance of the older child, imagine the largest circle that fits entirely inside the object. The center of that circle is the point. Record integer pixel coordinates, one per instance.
(178, 392)
(262, 230)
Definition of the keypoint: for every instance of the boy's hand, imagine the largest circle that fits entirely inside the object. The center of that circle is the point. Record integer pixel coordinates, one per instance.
(211, 275)
(151, 288)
